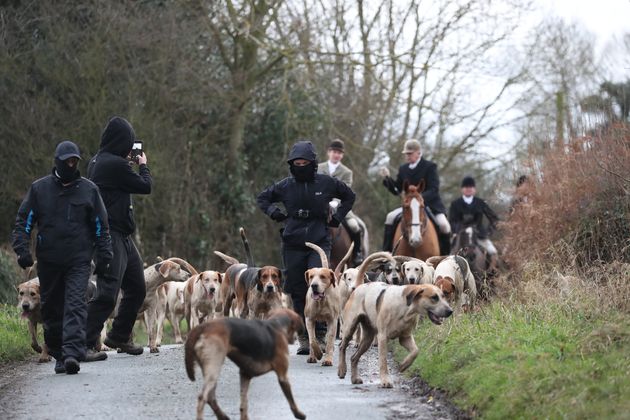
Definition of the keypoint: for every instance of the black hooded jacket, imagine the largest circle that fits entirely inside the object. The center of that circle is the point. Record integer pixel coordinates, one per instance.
(306, 203)
(71, 222)
(116, 180)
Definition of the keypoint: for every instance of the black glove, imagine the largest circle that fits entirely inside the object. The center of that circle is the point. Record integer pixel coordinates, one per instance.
(25, 261)
(334, 222)
(101, 267)
(278, 216)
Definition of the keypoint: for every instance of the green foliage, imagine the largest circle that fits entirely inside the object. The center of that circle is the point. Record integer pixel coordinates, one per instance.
(14, 337)
(8, 277)
(530, 361)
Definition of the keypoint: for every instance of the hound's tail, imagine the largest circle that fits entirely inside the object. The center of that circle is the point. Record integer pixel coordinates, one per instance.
(343, 261)
(363, 268)
(322, 254)
(226, 258)
(184, 264)
(248, 251)
(189, 352)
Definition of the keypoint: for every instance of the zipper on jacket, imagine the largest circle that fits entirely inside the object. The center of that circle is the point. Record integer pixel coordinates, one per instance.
(306, 198)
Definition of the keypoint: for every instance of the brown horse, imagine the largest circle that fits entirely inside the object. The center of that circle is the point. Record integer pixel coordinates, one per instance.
(417, 234)
(340, 243)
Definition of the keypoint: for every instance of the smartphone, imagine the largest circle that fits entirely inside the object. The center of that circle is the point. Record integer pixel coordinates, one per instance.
(136, 150)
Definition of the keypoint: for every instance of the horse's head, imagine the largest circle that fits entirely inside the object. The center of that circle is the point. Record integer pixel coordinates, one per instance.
(466, 243)
(414, 218)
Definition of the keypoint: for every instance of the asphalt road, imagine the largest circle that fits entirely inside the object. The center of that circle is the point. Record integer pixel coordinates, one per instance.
(156, 386)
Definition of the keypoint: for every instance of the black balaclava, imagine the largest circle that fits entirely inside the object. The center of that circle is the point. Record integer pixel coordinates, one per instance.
(303, 149)
(304, 173)
(66, 150)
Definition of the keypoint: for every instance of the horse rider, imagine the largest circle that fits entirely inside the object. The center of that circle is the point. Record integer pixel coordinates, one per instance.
(336, 169)
(415, 170)
(469, 210)
(305, 196)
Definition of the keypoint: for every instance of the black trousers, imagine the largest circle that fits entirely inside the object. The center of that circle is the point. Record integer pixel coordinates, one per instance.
(296, 261)
(126, 273)
(64, 308)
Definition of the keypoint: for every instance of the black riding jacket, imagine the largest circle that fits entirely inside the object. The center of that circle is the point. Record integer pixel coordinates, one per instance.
(116, 180)
(310, 224)
(71, 221)
(462, 215)
(426, 170)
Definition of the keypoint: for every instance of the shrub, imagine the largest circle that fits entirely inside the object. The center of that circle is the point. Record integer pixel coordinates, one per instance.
(9, 277)
(571, 235)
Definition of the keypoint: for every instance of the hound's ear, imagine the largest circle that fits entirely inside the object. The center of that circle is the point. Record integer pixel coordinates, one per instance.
(259, 285)
(333, 280)
(413, 294)
(280, 276)
(306, 276)
(165, 267)
(220, 277)
(157, 266)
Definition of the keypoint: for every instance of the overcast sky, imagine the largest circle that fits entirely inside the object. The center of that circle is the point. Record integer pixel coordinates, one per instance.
(605, 18)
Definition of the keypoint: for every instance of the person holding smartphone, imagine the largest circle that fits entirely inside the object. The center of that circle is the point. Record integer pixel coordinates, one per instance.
(111, 170)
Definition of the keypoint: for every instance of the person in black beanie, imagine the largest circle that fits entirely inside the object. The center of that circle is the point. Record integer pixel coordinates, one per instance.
(469, 210)
(111, 170)
(305, 196)
(71, 223)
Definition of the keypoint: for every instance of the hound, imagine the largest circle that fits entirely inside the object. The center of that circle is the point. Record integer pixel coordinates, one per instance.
(257, 290)
(416, 271)
(323, 303)
(387, 312)
(175, 307)
(29, 301)
(255, 346)
(201, 297)
(172, 269)
(453, 276)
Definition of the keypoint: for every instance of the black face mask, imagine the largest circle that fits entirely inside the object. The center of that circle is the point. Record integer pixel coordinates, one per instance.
(303, 173)
(64, 172)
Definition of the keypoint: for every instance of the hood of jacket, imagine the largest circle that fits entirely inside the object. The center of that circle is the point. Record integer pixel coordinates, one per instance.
(118, 137)
(303, 150)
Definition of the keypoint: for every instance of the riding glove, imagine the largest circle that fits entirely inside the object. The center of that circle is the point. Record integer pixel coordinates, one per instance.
(278, 216)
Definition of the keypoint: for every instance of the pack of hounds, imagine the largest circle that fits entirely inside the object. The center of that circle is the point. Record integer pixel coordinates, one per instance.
(242, 313)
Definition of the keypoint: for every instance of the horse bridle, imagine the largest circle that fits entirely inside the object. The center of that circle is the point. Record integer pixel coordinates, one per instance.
(423, 224)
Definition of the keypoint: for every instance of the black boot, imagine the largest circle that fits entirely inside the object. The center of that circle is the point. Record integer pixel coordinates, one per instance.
(303, 347)
(357, 254)
(445, 243)
(388, 238)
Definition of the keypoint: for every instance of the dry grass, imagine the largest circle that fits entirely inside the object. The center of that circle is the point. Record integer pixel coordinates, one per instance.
(569, 241)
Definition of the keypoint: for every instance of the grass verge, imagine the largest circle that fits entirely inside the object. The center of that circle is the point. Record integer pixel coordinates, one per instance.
(518, 361)
(14, 338)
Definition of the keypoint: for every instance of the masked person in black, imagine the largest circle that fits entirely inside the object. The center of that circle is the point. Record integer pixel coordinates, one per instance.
(111, 170)
(71, 223)
(305, 196)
